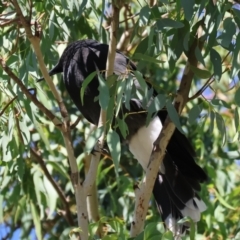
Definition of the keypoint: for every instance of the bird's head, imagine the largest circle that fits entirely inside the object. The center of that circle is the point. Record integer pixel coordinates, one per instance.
(56, 69)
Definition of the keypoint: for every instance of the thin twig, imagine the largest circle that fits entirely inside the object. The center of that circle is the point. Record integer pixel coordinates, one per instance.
(9, 103)
(7, 22)
(31, 97)
(76, 122)
(208, 82)
(130, 17)
(92, 198)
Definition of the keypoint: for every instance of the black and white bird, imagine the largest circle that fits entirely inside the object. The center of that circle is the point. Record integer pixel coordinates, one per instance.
(179, 177)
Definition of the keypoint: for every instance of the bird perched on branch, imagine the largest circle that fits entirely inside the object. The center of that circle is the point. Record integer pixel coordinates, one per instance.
(179, 177)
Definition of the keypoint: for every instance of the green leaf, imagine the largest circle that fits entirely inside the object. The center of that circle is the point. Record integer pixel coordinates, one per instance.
(157, 104)
(151, 231)
(59, 168)
(119, 94)
(144, 16)
(114, 145)
(93, 138)
(235, 62)
(123, 127)
(186, 41)
(104, 95)
(168, 23)
(128, 92)
(217, 64)
(111, 237)
(20, 206)
(168, 235)
(212, 119)
(39, 127)
(227, 35)
(221, 126)
(85, 84)
(25, 131)
(139, 237)
(220, 103)
(20, 168)
(82, 6)
(199, 56)
(237, 97)
(51, 196)
(200, 73)
(141, 81)
(222, 201)
(236, 119)
(173, 115)
(146, 58)
(188, 8)
(194, 113)
(36, 220)
(51, 25)
(141, 90)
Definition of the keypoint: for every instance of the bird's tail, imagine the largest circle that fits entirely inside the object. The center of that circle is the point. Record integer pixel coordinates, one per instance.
(176, 197)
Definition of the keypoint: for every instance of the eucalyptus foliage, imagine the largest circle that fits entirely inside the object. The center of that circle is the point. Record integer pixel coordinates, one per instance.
(160, 37)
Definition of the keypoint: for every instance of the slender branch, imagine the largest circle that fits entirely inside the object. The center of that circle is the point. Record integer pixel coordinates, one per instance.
(76, 122)
(208, 82)
(82, 213)
(159, 149)
(6, 14)
(89, 183)
(7, 22)
(65, 127)
(35, 41)
(126, 19)
(125, 39)
(92, 199)
(90, 179)
(31, 97)
(61, 195)
(9, 103)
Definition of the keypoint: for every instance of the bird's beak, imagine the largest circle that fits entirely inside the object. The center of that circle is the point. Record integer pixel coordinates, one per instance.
(40, 79)
(55, 70)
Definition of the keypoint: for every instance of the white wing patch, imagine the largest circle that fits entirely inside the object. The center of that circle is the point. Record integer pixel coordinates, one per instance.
(141, 144)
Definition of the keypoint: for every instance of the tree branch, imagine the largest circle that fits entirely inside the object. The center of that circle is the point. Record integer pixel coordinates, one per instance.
(89, 182)
(9, 103)
(31, 97)
(92, 198)
(145, 188)
(76, 122)
(65, 127)
(35, 41)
